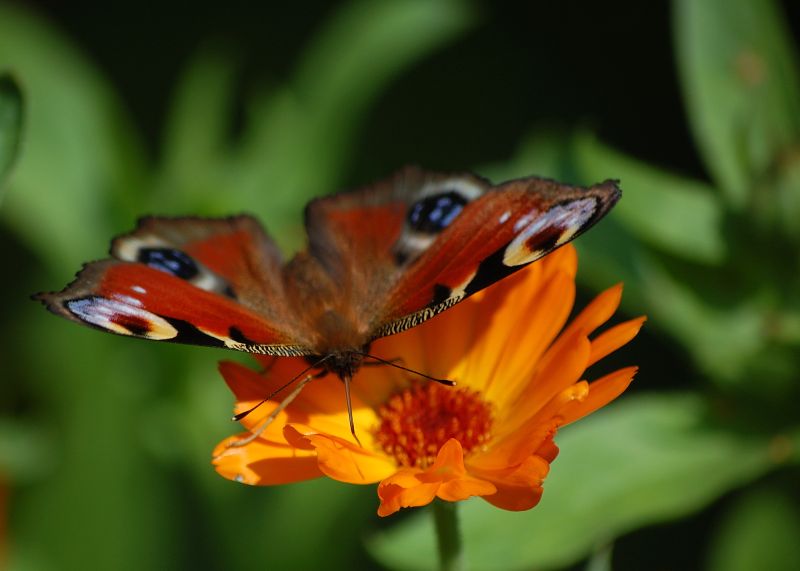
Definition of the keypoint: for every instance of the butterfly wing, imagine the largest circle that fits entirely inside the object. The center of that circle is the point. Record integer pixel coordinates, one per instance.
(380, 260)
(201, 281)
(417, 244)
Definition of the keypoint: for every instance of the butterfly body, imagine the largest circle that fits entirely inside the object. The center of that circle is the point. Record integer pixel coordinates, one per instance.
(379, 260)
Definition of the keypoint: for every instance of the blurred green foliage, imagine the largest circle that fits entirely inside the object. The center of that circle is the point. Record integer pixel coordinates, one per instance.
(10, 124)
(105, 442)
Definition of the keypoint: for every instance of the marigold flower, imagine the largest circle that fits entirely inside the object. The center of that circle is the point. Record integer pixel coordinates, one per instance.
(518, 380)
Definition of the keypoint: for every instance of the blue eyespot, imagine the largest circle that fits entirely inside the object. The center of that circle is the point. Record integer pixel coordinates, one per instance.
(434, 213)
(170, 261)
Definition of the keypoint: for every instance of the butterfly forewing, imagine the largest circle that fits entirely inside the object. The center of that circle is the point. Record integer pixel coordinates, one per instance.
(499, 233)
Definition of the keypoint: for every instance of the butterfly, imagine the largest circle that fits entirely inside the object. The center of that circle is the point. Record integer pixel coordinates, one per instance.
(379, 260)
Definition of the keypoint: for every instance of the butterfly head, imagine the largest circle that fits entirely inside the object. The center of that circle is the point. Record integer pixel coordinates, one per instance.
(342, 363)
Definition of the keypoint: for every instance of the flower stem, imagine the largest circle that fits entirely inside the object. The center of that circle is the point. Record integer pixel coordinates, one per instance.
(448, 536)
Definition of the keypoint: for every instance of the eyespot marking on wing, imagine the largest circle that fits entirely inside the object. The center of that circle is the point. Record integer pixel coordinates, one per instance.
(540, 233)
(119, 316)
(169, 260)
(438, 205)
(436, 212)
(160, 255)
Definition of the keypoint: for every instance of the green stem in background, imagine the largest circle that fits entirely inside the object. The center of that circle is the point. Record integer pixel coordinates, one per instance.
(448, 536)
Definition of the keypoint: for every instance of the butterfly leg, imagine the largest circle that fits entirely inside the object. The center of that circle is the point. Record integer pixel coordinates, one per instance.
(274, 414)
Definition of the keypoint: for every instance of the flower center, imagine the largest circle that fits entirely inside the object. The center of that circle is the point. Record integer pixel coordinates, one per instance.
(415, 423)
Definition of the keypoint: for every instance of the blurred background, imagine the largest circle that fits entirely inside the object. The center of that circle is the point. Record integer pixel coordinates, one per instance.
(109, 114)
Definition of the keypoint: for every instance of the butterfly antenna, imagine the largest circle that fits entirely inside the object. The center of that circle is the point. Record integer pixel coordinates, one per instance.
(241, 415)
(274, 414)
(346, 379)
(447, 382)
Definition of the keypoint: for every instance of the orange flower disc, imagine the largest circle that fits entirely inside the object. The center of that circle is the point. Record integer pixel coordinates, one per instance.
(416, 423)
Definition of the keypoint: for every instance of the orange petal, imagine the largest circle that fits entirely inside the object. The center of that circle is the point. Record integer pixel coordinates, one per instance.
(465, 487)
(261, 463)
(449, 463)
(512, 449)
(339, 459)
(321, 402)
(258, 416)
(520, 488)
(524, 336)
(614, 338)
(434, 347)
(599, 310)
(447, 478)
(548, 450)
(404, 490)
(601, 392)
(246, 384)
(373, 385)
(561, 367)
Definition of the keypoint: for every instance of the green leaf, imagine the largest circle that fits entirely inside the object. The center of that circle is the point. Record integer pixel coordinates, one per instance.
(81, 159)
(740, 83)
(759, 532)
(11, 111)
(677, 215)
(641, 461)
(724, 339)
(785, 193)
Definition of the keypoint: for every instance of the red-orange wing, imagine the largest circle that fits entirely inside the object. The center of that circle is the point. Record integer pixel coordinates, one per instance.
(201, 281)
(412, 246)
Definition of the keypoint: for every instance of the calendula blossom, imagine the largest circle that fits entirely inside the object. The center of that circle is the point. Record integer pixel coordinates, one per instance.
(518, 370)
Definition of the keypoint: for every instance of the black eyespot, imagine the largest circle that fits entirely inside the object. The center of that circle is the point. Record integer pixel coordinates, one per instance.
(434, 213)
(169, 260)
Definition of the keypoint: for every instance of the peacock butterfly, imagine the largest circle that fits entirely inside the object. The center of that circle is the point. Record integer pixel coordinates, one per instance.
(379, 260)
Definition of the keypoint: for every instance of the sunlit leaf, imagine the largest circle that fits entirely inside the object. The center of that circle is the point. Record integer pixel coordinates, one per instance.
(10, 125)
(759, 532)
(672, 213)
(741, 87)
(786, 192)
(80, 159)
(645, 460)
(600, 560)
(723, 339)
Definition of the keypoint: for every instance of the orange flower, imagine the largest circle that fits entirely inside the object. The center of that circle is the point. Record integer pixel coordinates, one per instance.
(518, 380)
